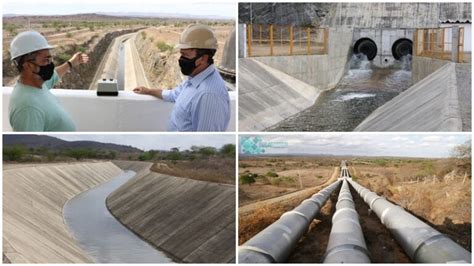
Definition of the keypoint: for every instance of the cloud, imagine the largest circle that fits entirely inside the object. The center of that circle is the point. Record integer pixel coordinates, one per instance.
(371, 144)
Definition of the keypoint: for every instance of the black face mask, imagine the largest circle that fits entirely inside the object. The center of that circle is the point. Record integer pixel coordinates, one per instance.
(187, 65)
(45, 72)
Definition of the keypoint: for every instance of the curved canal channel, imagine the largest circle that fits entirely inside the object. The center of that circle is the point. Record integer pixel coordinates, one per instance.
(104, 238)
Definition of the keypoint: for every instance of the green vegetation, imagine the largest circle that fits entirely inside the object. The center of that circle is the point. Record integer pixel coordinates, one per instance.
(11, 28)
(69, 35)
(272, 174)
(81, 49)
(228, 150)
(63, 57)
(247, 178)
(195, 152)
(14, 153)
(19, 153)
(163, 46)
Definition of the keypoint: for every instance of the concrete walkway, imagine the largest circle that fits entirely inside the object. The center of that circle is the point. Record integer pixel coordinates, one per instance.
(267, 96)
(432, 104)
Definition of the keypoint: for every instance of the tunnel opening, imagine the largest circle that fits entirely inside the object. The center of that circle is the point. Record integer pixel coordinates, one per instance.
(366, 46)
(401, 48)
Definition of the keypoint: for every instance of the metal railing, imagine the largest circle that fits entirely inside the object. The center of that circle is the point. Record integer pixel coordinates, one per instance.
(276, 40)
(438, 43)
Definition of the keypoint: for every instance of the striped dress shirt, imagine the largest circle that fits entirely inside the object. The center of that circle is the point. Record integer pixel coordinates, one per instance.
(201, 103)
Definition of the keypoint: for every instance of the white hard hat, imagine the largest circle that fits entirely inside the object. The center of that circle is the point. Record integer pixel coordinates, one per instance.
(27, 42)
(197, 37)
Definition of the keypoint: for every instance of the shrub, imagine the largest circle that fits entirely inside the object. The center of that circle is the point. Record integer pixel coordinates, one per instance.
(247, 178)
(272, 174)
(63, 57)
(163, 47)
(14, 153)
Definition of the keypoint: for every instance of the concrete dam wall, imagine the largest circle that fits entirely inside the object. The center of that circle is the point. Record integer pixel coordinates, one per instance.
(33, 200)
(355, 15)
(191, 221)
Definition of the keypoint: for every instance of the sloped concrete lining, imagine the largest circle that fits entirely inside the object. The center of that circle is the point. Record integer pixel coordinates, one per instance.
(191, 221)
(430, 105)
(267, 96)
(277, 87)
(33, 200)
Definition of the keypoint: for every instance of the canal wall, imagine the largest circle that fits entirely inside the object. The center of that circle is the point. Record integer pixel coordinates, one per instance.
(274, 88)
(33, 200)
(432, 104)
(191, 221)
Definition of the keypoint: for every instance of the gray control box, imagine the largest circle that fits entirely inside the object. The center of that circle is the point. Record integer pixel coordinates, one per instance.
(107, 87)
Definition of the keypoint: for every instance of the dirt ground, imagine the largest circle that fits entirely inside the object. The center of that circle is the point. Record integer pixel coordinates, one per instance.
(218, 170)
(168, 75)
(426, 188)
(293, 175)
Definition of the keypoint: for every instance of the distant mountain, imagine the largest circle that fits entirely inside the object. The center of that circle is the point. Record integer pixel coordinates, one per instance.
(52, 143)
(126, 15)
(162, 15)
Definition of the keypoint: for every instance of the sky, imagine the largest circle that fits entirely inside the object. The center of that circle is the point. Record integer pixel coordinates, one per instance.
(366, 144)
(154, 142)
(225, 9)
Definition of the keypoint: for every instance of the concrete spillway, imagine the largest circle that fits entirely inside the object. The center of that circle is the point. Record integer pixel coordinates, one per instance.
(191, 221)
(432, 104)
(33, 200)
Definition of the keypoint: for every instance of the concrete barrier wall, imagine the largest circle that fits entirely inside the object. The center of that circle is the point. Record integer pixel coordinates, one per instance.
(321, 71)
(33, 200)
(384, 39)
(192, 221)
(126, 112)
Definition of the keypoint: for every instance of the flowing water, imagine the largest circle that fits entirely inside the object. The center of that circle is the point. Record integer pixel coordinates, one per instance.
(362, 90)
(104, 238)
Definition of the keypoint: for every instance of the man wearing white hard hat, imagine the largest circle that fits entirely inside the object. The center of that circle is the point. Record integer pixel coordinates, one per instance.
(32, 106)
(202, 101)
